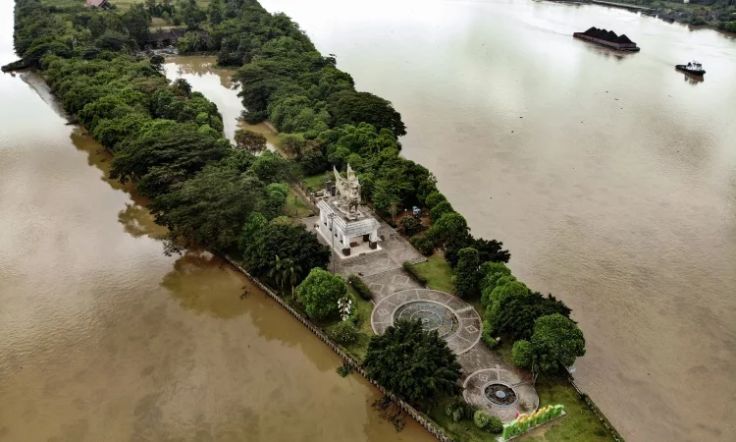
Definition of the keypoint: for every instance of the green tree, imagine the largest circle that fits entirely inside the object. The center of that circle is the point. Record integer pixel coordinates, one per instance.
(490, 250)
(440, 209)
(270, 167)
(191, 14)
(276, 194)
(434, 198)
(494, 315)
(216, 12)
(466, 273)
(516, 314)
(284, 273)
(450, 224)
(211, 208)
(492, 272)
(557, 342)
(174, 151)
(136, 20)
(522, 354)
(157, 62)
(319, 292)
(386, 198)
(262, 241)
(413, 363)
(350, 107)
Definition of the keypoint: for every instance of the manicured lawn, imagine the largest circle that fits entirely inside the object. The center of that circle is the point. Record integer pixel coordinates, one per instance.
(363, 310)
(438, 273)
(295, 206)
(579, 424)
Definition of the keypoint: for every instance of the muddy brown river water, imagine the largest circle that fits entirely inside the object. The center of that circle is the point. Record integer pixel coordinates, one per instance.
(105, 338)
(612, 179)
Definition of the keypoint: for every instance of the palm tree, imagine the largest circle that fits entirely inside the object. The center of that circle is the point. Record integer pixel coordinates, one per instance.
(284, 272)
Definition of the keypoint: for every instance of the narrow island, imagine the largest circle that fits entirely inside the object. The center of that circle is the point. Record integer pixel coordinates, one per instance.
(377, 263)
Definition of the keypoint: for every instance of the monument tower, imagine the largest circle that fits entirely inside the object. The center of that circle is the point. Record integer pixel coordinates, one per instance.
(342, 222)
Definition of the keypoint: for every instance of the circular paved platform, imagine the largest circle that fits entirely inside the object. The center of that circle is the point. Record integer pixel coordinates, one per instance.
(501, 392)
(454, 319)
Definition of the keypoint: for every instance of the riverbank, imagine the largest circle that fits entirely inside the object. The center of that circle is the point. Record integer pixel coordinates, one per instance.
(720, 16)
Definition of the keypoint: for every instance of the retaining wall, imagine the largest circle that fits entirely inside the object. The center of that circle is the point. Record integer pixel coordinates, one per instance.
(597, 411)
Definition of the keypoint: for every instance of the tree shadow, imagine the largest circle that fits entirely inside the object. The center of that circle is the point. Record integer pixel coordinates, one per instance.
(204, 283)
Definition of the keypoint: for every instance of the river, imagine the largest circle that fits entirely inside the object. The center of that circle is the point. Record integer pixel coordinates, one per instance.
(612, 179)
(105, 338)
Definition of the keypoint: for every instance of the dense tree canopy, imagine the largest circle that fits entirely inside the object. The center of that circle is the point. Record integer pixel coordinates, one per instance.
(262, 241)
(350, 107)
(556, 343)
(513, 314)
(212, 207)
(173, 152)
(413, 363)
(466, 273)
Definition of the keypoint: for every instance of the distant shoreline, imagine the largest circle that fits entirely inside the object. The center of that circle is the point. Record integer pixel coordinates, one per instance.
(648, 11)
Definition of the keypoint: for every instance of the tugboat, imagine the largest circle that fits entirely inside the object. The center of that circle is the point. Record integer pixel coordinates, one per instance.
(693, 68)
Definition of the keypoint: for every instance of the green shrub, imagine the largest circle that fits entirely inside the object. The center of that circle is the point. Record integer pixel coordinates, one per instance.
(424, 243)
(440, 209)
(344, 332)
(487, 335)
(319, 292)
(433, 199)
(491, 272)
(481, 419)
(522, 353)
(459, 410)
(345, 369)
(466, 273)
(414, 274)
(360, 287)
(410, 225)
(495, 425)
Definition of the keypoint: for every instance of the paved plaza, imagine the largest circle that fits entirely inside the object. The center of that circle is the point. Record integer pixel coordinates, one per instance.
(456, 321)
(488, 382)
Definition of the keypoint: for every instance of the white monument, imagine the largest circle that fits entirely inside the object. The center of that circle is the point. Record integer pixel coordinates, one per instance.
(342, 222)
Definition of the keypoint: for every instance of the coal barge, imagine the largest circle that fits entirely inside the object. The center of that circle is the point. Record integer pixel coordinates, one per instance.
(608, 39)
